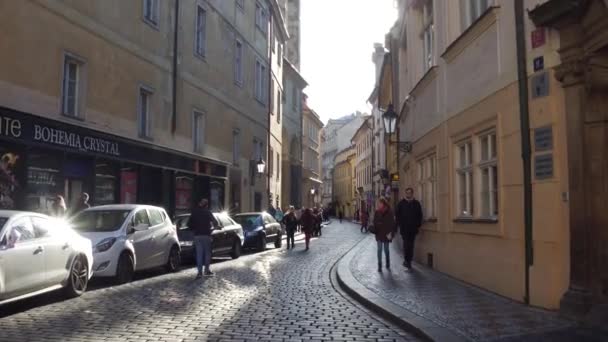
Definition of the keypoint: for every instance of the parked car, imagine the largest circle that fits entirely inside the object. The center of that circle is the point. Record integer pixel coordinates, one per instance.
(128, 238)
(260, 228)
(40, 254)
(227, 238)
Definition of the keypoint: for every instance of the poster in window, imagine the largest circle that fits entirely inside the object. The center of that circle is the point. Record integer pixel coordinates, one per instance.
(128, 187)
(8, 180)
(183, 193)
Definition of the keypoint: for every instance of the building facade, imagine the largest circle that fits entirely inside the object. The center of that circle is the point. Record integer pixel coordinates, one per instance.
(379, 166)
(363, 142)
(335, 136)
(112, 112)
(459, 107)
(311, 149)
(343, 182)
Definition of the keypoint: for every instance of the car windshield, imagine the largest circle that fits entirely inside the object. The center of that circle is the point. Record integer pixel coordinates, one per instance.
(249, 221)
(99, 220)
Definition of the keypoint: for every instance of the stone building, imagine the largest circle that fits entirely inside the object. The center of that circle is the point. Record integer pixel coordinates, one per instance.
(379, 166)
(128, 109)
(363, 142)
(343, 182)
(486, 208)
(311, 150)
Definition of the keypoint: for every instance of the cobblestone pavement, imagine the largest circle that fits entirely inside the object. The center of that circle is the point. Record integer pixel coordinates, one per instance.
(277, 295)
(471, 312)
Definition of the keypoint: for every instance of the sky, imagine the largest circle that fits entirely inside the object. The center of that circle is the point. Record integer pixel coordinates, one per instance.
(338, 39)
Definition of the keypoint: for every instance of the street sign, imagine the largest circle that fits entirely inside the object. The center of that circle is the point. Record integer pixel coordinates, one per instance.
(538, 37)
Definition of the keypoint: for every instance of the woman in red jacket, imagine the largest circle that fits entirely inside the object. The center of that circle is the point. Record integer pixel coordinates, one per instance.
(308, 225)
(385, 229)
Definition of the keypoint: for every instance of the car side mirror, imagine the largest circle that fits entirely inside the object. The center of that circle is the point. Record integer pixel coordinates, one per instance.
(141, 227)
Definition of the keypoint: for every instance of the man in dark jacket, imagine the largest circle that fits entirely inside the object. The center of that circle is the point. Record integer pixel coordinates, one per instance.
(291, 225)
(201, 223)
(409, 219)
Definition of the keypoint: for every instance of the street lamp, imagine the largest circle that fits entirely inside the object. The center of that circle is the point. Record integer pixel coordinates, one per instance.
(261, 166)
(390, 125)
(312, 191)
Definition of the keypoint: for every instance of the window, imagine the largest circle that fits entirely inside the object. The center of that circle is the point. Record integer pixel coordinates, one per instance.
(198, 131)
(151, 12)
(200, 34)
(278, 165)
(71, 85)
(261, 78)
(426, 177)
(471, 10)
(270, 162)
(489, 176)
(280, 54)
(144, 112)
(42, 226)
(294, 96)
(22, 230)
(261, 18)
(272, 98)
(156, 217)
(141, 217)
(258, 149)
(279, 106)
(428, 35)
(240, 4)
(238, 63)
(236, 146)
(464, 176)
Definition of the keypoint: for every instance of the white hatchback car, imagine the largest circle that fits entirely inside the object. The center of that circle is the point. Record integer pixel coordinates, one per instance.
(39, 254)
(128, 238)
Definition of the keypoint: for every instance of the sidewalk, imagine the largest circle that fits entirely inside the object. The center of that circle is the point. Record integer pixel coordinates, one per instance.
(444, 309)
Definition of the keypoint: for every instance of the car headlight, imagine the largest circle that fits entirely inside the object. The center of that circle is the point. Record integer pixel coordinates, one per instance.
(105, 244)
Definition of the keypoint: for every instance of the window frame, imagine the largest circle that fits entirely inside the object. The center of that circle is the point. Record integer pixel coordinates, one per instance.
(238, 62)
(200, 32)
(78, 86)
(261, 18)
(198, 132)
(154, 20)
(428, 35)
(488, 162)
(466, 170)
(144, 129)
(236, 146)
(426, 184)
(473, 10)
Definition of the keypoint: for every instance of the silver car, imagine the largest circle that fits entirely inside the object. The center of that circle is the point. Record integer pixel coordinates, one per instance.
(40, 254)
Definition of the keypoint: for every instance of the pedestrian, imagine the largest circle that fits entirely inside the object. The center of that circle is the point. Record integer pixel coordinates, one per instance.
(409, 219)
(340, 215)
(291, 225)
(83, 203)
(272, 211)
(59, 208)
(278, 214)
(385, 229)
(298, 214)
(201, 223)
(364, 221)
(308, 223)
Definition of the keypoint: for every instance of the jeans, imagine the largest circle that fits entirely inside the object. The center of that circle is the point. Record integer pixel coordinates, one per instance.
(384, 245)
(291, 238)
(202, 244)
(408, 245)
(307, 236)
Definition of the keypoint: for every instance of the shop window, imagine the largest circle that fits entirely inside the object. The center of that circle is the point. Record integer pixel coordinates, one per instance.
(44, 181)
(128, 185)
(105, 183)
(183, 194)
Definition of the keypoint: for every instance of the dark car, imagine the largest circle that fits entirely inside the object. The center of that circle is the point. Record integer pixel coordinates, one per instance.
(227, 238)
(260, 228)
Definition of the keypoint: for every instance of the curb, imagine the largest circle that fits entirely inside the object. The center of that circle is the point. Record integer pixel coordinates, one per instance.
(416, 324)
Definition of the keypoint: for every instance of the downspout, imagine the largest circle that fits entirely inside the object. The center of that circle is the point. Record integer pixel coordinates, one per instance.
(270, 31)
(174, 75)
(522, 74)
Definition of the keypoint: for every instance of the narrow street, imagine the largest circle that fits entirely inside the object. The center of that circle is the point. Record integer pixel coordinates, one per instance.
(277, 295)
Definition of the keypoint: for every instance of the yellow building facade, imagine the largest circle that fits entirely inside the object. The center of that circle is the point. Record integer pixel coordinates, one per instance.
(343, 182)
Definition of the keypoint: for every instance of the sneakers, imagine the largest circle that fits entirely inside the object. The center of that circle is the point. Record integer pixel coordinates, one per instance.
(199, 276)
(209, 274)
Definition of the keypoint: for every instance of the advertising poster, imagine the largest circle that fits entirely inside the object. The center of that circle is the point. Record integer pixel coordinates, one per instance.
(128, 187)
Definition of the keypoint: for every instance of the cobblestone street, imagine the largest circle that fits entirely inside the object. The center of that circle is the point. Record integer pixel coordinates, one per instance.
(278, 295)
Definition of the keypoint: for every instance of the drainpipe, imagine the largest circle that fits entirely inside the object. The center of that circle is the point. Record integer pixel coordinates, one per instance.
(174, 76)
(522, 74)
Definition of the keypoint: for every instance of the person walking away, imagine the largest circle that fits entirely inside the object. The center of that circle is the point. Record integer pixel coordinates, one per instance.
(272, 211)
(308, 223)
(279, 215)
(59, 209)
(409, 219)
(385, 227)
(364, 221)
(83, 203)
(291, 225)
(298, 214)
(340, 215)
(201, 223)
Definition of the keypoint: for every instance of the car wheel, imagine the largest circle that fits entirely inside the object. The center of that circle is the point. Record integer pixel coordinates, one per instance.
(262, 243)
(279, 241)
(124, 272)
(236, 249)
(174, 260)
(78, 277)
